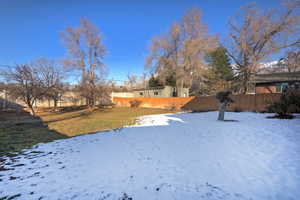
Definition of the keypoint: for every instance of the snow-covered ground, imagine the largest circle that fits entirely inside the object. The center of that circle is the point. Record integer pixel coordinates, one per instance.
(178, 156)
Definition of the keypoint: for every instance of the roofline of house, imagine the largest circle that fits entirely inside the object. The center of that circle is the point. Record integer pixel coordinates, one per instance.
(280, 74)
(282, 81)
(156, 88)
(277, 77)
(149, 88)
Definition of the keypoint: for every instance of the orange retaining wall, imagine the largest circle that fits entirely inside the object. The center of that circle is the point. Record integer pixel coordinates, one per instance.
(155, 102)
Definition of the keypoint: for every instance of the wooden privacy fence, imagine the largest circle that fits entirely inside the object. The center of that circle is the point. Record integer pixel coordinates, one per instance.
(250, 102)
(154, 102)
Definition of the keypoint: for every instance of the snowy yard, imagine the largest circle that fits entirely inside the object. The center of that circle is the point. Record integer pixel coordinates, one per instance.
(178, 156)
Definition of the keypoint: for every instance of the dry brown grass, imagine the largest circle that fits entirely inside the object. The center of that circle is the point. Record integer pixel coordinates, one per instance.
(19, 130)
(90, 121)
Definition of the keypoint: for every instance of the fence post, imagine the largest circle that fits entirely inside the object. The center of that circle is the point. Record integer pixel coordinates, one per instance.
(255, 98)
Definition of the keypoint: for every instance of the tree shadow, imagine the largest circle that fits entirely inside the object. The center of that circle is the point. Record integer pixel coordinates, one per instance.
(9, 105)
(69, 117)
(20, 130)
(230, 120)
(78, 115)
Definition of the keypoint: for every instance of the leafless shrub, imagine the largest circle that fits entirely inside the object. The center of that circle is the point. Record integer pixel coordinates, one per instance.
(135, 103)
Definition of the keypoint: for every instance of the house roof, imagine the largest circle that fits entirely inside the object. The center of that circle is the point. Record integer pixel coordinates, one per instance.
(277, 77)
(150, 88)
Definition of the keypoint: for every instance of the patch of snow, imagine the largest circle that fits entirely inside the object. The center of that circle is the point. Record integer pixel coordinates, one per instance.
(175, 156)
(156, 120)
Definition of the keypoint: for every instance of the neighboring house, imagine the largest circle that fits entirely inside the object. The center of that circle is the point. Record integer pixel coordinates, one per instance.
(121, 94)
(163, 91)
(276, 82)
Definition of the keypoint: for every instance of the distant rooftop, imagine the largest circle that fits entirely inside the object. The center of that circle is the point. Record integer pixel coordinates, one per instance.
(277, 77)
(150, 88)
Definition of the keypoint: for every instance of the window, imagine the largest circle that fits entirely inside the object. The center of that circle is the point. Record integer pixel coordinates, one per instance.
(284, 87)
(281, 87)
(141, 94)
(278, 87)
(174, 93)
(155, 93)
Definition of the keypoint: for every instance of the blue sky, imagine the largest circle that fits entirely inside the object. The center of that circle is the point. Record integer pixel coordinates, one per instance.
(30, 28)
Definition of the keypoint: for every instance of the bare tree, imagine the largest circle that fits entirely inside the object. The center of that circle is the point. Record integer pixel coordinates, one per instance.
(164, 54)
(37, 80)
(180, 53)
(257, 35)
(132, 80)
(196, 44)
(27, 84)
(101, 92)
(291, 61)
(86, 52)
(143, 80)
(52, 76)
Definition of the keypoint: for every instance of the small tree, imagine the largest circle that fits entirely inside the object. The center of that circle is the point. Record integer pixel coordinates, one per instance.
(220, 72)
(55, 93)
(224, 100)
(170, 81)
(154, 82)
(52, 76)
(135, 103)
(34, 81)
(27, 84)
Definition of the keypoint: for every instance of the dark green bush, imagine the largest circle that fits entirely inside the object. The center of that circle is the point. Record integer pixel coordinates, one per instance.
(223, 97)
(288, 103)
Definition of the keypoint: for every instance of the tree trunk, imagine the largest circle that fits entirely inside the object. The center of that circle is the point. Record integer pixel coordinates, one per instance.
(222, 107)
(30, 104)
(244, 90)
(92, 85)
(5, 100)
(55, 103)
(32, 110)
